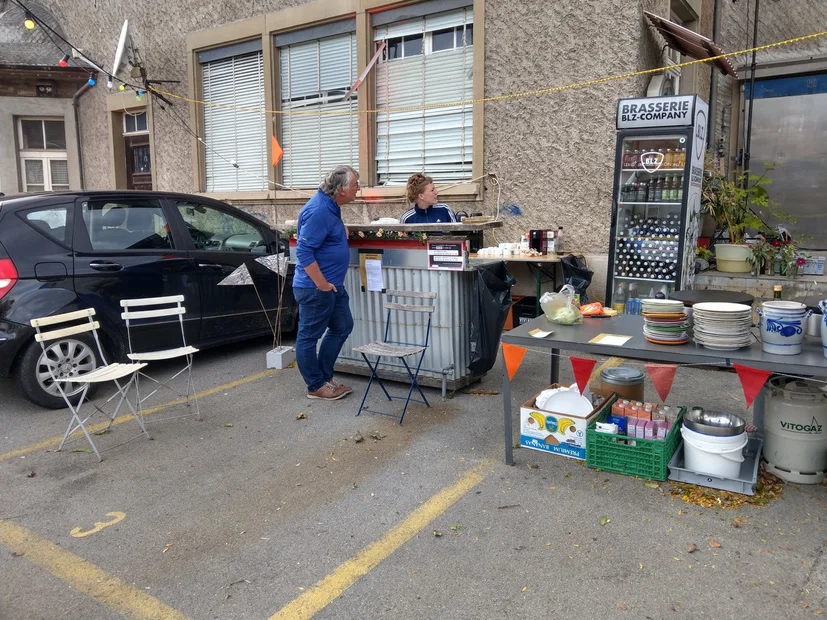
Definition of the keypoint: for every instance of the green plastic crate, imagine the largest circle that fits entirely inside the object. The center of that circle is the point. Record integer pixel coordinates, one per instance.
(648, 458)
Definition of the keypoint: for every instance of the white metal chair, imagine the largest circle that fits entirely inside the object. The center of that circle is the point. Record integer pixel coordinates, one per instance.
(102, 374)
(135, 314)
(399, 350)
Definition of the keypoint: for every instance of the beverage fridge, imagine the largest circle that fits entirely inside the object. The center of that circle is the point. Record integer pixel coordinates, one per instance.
(656, 203)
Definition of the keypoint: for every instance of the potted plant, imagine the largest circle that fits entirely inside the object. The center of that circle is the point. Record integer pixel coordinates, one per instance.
(761, 255)
(732, 204)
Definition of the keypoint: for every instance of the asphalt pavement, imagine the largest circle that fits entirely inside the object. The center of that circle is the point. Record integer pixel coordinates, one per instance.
(272, 505)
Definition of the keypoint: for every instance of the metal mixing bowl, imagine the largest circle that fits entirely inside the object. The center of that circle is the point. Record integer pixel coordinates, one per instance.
(718, 423)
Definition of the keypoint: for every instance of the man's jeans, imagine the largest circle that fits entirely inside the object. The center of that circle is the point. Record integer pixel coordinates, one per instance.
(320, 311)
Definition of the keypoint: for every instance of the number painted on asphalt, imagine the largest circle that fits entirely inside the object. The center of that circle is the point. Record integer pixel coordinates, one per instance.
(117, 517)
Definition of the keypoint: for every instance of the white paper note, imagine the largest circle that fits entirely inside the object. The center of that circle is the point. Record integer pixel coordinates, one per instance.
(615, 341)
(373, 270)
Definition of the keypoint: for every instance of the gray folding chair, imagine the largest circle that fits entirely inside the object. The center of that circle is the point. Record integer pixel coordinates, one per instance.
(102, 374)
(399, 350)
(136, 319)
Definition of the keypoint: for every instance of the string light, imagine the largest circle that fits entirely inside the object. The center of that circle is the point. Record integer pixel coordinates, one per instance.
(138, 95)
(91, 80)
(122, 87)
(109, 83)
(64, 62)
(29, 21)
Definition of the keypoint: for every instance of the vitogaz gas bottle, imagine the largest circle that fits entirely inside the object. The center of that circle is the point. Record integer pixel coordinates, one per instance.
(795, 430)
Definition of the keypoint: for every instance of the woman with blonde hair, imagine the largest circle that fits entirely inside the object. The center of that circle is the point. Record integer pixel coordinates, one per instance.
(422, 196)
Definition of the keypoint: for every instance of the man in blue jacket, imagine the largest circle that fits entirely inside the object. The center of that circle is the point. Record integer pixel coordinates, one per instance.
(322, 258)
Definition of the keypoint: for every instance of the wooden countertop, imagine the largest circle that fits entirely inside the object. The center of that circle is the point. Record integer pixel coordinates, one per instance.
(448, 228)
(543, 258)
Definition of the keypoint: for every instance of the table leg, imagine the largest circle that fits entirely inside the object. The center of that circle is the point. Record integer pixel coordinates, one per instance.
(554, 370)
(538, 288)
(758, 410)
(509, 439)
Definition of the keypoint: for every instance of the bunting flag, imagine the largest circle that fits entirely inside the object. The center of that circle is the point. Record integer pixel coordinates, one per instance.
(278, 153)
(513, 356)
(662, 376)
(582, 371)
(752, 380)
(240, 277)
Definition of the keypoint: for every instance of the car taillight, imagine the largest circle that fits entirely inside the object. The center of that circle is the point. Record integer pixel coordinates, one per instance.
(8, 276)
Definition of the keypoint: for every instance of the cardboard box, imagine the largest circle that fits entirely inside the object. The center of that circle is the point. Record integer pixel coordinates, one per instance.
(549, 431)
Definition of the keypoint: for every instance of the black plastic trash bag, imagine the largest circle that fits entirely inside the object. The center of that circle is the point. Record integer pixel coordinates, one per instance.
(489, 309)
(577, 274)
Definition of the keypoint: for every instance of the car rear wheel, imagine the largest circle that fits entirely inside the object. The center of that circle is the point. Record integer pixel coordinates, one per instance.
(66, 358)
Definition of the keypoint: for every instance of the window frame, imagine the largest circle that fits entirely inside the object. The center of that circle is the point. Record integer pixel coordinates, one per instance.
(136, 132)
(44, 155)
(69, 206)
(83, 241)
(316, 13)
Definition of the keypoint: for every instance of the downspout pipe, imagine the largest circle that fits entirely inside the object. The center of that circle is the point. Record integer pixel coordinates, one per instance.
(75, 104)
(751, 94)
(713, 82)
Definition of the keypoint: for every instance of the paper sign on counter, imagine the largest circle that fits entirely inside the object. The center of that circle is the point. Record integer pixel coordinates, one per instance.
(610, 339)
(539, 333)
(373, 269)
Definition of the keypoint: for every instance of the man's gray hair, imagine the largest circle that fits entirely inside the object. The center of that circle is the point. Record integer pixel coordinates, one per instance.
(336, 179)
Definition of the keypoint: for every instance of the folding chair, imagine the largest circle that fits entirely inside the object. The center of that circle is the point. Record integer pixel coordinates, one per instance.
(154, 308)
(399, 350)
(102, 374)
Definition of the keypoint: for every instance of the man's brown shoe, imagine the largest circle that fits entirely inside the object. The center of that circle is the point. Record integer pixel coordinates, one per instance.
(347, 388)
(328, 392)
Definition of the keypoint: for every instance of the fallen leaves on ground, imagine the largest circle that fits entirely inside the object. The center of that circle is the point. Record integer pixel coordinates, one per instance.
(651, 485)
(377, 436)
(508, 506)
(437, 533)
(604, 520)
(358, 437)
(692, 549)
(301, 416)
(714, 544)
(621, 606)
(768, 488)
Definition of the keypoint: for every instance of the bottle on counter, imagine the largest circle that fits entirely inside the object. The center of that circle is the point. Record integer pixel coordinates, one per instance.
(776, 291)
(524, 247)
(619, 301)
(558, 240)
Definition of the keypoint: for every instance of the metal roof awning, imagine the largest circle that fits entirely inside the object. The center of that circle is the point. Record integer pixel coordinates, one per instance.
(690, 43)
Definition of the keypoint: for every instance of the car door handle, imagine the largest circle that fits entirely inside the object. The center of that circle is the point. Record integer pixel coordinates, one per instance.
(213, 266)
(105, 265)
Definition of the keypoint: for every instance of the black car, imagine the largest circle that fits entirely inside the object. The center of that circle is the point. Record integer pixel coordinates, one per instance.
(68, 251)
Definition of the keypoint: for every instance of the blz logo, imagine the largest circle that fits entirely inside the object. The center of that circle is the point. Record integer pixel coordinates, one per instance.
(808, 429)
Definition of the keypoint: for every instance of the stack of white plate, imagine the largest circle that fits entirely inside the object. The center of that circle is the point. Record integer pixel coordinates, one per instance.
(722, 326)
(664, 321)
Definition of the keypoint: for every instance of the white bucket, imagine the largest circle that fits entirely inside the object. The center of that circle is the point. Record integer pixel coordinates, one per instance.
(713, 454)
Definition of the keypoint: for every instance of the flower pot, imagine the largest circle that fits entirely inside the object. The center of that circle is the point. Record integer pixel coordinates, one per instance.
(732, 258)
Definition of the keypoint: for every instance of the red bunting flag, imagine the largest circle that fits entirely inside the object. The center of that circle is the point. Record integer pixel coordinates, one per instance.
(662, 376)
(582, 371)
(513, 356)
(752, 380)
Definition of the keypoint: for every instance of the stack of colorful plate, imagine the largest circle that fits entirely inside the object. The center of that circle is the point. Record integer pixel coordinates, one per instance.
(664, 321)
(722, 326)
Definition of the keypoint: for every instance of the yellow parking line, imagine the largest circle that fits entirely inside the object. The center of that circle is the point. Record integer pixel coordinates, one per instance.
(94, 428)
(85, 576)
(331, 587)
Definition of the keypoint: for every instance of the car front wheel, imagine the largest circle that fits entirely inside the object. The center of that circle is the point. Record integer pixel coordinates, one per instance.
(64, 359)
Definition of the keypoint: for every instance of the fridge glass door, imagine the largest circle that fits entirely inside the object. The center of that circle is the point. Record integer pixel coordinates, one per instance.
(648, 225)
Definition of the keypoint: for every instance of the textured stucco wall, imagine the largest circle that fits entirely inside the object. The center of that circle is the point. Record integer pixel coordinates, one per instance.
(553, 153)
(778, 20)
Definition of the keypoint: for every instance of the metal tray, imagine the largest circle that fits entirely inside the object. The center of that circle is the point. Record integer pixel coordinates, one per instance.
(744, 484)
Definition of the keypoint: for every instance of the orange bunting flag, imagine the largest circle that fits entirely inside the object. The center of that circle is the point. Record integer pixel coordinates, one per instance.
(582, 371)
(513, 356)
(662, 376)
(752, 380)
(278, 153)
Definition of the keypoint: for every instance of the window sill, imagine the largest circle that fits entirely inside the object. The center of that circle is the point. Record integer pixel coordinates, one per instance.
(466, 191)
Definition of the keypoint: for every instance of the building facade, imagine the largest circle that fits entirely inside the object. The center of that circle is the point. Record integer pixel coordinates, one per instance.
(236, 74)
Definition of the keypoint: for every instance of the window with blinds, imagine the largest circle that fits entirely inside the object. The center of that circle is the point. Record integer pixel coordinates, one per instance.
(234, 128)
(320, 129)
(427, 60)
(43, 157)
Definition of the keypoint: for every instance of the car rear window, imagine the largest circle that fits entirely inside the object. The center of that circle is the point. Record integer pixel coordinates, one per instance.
(126, 225)
(51, 222)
